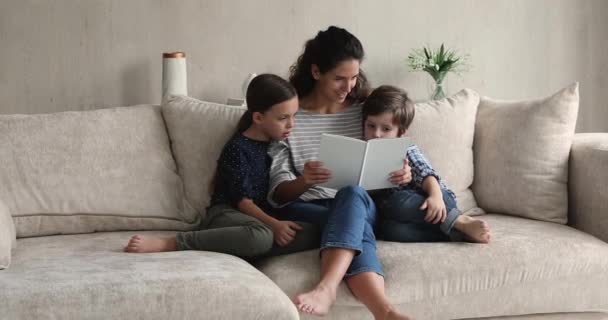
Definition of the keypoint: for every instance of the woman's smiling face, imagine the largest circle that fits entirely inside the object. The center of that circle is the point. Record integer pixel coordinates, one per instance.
(336, 84)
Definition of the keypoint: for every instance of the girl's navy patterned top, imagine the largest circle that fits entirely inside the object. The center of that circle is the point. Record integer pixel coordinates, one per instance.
(242, 172)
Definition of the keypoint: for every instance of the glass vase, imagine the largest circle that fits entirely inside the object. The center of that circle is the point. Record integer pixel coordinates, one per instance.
(437, 92)
(436, 87)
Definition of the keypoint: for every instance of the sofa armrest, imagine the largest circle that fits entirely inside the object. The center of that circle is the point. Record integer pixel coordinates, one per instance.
(8, 240)
(588, 184)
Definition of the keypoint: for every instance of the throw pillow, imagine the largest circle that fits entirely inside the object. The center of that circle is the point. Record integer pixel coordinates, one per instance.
(444, 130)
(198, 131)
(521, 155)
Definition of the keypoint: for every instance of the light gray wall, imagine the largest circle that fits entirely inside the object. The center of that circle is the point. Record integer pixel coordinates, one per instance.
(74, 55)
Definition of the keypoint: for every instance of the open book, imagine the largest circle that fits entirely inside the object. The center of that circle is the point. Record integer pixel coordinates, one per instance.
(363, 163)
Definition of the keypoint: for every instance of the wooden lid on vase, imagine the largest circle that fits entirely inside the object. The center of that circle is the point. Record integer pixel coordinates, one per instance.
(174, 55)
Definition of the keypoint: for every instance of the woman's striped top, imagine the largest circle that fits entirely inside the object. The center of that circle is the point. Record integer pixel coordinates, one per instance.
(289, 156)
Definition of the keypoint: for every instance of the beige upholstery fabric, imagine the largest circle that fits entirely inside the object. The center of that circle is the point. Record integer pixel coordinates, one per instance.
(555, 316)
(588, 185)
(7, 236)
(74, 172)
(444, 131)
(530, 267)
(521, 155)
(198, 131)
(89, 277)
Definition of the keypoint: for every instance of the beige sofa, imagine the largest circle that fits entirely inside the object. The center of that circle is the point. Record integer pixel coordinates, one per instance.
(74, 186)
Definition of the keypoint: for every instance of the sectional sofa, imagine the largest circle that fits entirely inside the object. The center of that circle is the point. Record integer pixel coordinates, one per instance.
(74, 186)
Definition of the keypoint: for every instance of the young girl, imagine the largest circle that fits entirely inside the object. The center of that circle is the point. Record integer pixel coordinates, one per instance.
(425, 209)
(238, 221)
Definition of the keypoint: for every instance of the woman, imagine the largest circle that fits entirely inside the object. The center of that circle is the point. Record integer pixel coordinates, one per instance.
(330, 85)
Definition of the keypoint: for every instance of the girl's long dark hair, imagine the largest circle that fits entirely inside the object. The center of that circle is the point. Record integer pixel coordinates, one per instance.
(263, 92)
(327, 50)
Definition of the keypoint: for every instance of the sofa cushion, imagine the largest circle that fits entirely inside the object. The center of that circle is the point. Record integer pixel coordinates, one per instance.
(587, 187)
(444, 131)
(529, 267)
(89, 277)
(86, 171)
(7, 236)
(198, 131)
(521, 155)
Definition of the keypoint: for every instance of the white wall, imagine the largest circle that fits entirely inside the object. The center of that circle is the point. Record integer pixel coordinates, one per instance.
(74, 55)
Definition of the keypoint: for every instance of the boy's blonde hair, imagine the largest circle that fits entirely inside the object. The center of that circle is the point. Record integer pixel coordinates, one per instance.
(390, 99)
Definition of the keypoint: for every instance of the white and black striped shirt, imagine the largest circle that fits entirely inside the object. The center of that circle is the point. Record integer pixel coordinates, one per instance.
(289, 156)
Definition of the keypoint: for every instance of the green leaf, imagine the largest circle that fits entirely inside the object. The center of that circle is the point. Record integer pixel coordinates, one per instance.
(441, 56)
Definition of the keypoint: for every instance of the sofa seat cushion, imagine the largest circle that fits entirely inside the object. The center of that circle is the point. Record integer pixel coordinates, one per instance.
(89, 277)
(529, 267)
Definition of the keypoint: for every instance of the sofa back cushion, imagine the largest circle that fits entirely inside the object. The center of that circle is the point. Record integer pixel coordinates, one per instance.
(521, 155)
(444, 131)
(198, 131)
(86, 171)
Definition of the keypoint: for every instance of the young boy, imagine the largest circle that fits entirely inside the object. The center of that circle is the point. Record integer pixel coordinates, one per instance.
(425, 209)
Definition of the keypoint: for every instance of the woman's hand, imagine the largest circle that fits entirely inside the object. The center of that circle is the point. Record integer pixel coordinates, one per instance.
(435, 209)
(284, 232)
(403, 175)
(314, 173)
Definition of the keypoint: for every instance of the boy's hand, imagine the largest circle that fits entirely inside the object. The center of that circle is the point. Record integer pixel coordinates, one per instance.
(403, 175)
(284, 232)
(435, 209)
(314, 173)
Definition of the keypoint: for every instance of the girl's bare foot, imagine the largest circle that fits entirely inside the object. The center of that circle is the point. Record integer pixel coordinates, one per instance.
(141, 244)
(475, 230)
(316, 302)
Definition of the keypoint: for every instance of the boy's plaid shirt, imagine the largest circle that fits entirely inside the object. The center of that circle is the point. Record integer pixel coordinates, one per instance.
(421, 168)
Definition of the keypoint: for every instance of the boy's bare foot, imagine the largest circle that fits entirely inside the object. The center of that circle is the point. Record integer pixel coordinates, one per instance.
(141, 244)
(475, 230)
(316, 301)
(395, 315)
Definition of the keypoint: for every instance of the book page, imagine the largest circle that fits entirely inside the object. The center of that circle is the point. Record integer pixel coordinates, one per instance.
(344, 157)
(383, 156)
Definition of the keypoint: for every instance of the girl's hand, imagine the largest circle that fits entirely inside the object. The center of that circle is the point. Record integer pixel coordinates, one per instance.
(435, 209)
(314, 173)
(403, 175)
(284, 232)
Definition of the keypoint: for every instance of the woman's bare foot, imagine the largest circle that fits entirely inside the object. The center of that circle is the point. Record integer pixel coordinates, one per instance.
(475, 230)
(141, 244)
(396, 315)
(316, 302)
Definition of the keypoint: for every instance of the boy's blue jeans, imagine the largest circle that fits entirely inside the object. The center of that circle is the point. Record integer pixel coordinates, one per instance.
(402, 220)
(347, 222)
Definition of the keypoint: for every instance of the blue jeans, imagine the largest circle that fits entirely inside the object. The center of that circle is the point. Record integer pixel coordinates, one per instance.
(402, 220)
(347, 222)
